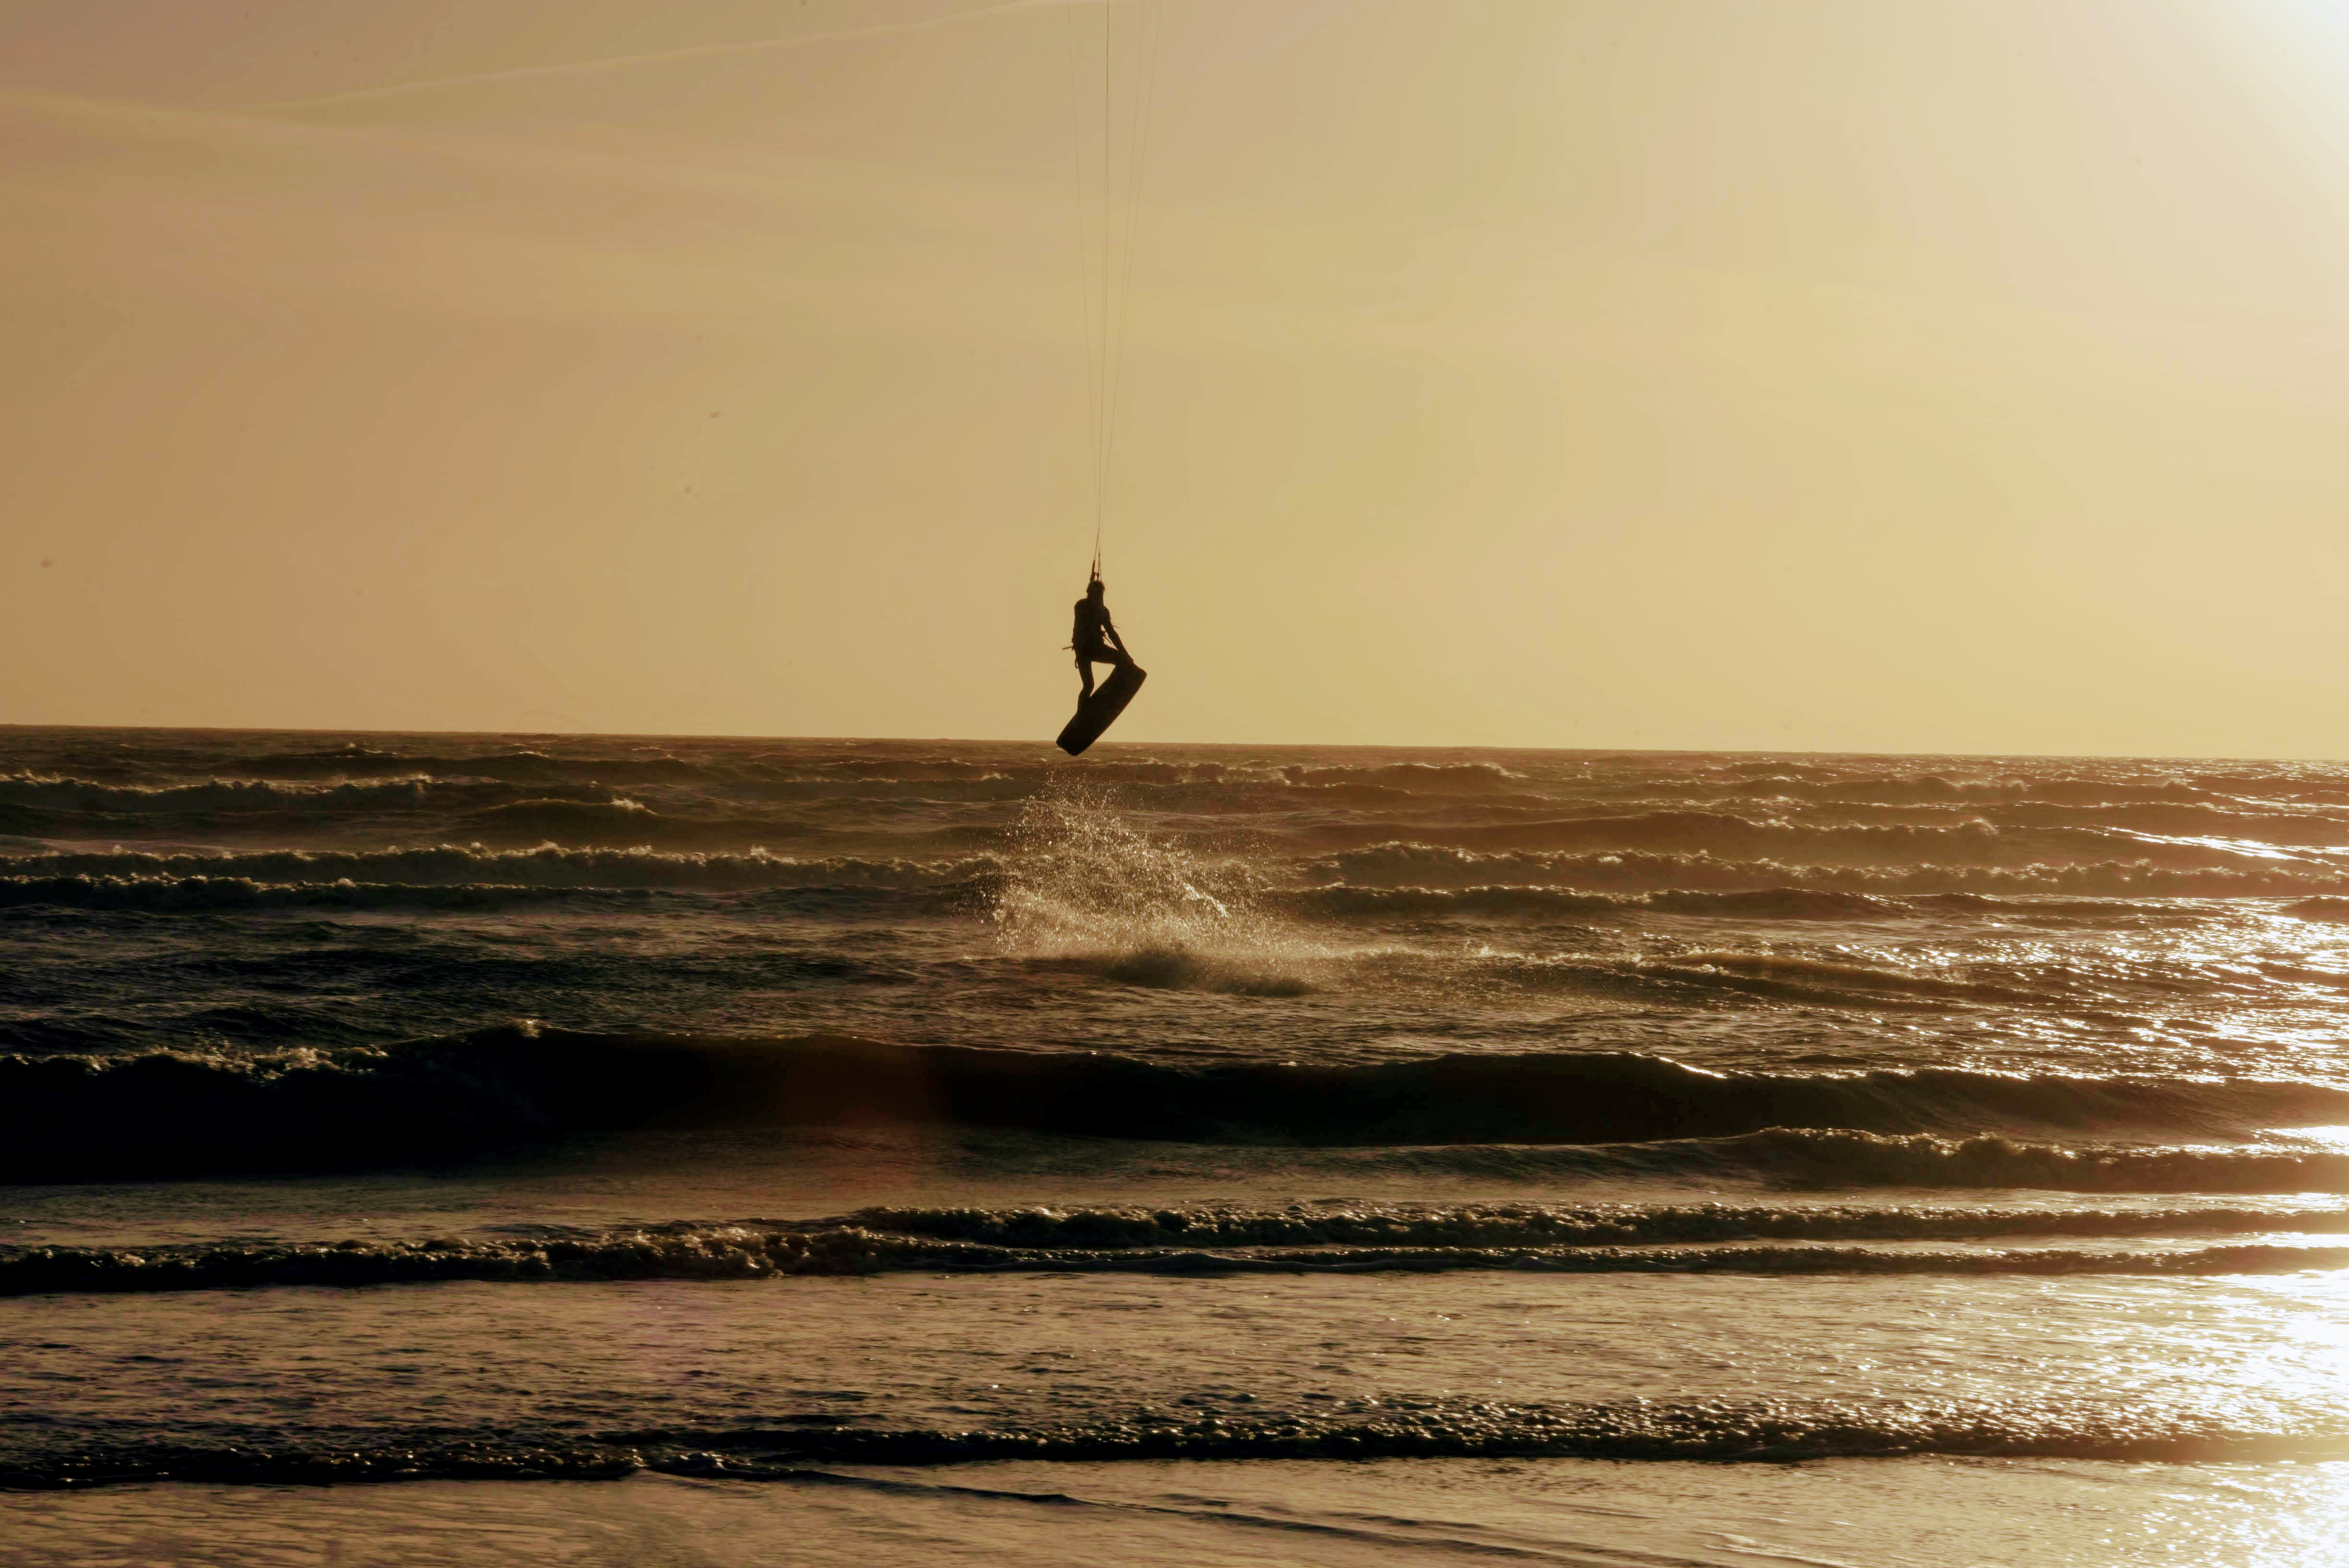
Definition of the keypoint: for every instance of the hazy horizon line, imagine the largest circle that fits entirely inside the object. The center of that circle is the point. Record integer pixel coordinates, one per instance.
(1045, 744)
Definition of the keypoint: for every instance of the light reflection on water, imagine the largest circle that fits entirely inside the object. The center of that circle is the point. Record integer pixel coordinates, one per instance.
(1921, 1513)
(2333, 1137)
(2306, 1358)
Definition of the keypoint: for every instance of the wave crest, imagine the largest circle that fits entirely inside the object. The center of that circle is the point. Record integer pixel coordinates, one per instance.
(1402, 863)
(1638, 1430)
(542, 865)
(748, 1252)
(177, 1113)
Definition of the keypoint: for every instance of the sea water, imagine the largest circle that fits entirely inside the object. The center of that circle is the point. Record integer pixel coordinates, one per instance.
(732, 1151)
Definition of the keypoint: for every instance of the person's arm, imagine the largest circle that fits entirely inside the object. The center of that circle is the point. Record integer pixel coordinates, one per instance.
(1109, 630)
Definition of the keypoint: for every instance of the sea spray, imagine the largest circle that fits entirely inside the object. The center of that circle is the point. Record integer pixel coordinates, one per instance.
(1083, 884)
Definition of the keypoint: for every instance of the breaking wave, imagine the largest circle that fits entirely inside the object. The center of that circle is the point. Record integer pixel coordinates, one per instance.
(237, 895)
(1421, 865)
(1725, 1429)
(70, 795)
(176, 1112)
(1342, 902)
(544, 866)
(1546, 1225)
(745, 1252)
(1829, 1157)
(1330, 1235)
(181, 895)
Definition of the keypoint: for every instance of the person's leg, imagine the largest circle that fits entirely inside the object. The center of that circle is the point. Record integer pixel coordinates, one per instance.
(1085, 674)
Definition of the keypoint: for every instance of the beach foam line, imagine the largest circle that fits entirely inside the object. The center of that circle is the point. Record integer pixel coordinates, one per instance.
(1724, 1431)
(1488, 1225)
(751, 1252)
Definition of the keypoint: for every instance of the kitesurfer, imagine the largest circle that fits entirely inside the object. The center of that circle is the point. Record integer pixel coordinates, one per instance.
(1096, 640)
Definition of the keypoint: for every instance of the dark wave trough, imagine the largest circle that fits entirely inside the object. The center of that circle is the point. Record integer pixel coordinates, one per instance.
(77, 1115)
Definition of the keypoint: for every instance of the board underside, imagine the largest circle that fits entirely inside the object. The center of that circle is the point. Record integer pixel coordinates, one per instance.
(1099, 711)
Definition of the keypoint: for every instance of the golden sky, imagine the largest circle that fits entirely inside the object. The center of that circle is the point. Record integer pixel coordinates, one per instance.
(1796, 374)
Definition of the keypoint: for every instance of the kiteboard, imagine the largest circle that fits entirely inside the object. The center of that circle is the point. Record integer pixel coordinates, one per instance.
(1099, 711)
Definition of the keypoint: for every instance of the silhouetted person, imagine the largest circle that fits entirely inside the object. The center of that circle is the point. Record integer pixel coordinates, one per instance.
(1096, 640)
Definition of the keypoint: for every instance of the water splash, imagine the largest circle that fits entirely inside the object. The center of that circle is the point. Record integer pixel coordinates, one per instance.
(1086, 887)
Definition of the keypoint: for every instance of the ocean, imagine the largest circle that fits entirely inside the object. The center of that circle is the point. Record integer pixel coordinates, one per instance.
(716, 1152)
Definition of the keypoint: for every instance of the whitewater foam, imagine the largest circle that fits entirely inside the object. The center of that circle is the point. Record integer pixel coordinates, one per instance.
(1084, 885)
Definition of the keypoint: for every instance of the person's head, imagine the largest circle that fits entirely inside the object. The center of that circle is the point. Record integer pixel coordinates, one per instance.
(1094, 589)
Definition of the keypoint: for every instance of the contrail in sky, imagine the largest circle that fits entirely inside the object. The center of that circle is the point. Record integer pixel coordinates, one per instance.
(664, 57)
